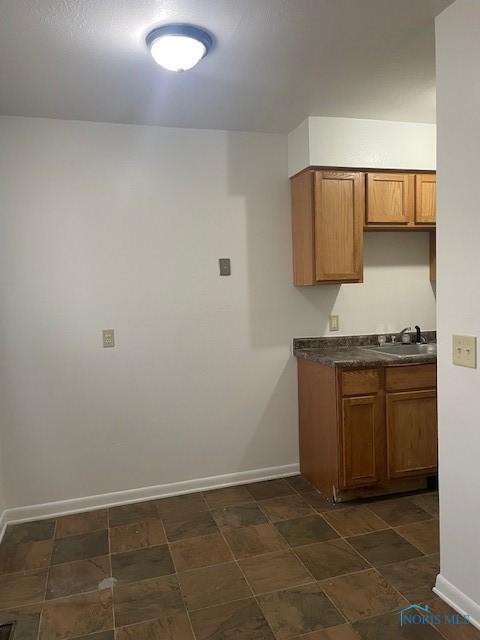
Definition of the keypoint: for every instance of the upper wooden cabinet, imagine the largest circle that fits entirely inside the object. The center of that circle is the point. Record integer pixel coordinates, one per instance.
(327, 223)
(390, 198)
(331, 208)
(425, 198)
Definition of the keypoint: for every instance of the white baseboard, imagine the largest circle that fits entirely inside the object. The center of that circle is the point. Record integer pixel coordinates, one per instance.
(457, 600)
(77, 505)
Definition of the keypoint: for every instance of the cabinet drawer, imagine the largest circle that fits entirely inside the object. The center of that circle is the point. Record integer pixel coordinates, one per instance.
(359, 382)
(420, 376)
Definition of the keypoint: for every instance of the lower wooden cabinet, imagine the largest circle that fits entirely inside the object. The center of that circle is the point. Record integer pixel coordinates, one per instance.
(361, 440)
(366, 428)
(411, 433)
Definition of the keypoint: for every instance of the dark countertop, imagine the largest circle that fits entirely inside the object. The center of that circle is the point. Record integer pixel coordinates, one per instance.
(354, 352)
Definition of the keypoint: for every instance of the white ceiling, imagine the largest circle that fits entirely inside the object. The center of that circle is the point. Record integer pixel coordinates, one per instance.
(276, 61)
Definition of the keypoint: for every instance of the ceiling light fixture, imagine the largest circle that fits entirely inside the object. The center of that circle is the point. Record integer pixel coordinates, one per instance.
(178, 47)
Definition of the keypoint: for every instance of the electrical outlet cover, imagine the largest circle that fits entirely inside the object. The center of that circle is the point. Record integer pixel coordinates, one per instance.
(108, 337)
(333, 323)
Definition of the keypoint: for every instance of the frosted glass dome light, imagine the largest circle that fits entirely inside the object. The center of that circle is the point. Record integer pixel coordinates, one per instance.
(178, 47)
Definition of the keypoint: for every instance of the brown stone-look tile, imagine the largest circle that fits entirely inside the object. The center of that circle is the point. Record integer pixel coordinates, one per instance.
(273, 571)
(300, 484)
(447, 630)
(242, 620)
(387, 627)
(424, 535)
(354, 521)
(177, 506)
(428, 502)
(6, 630)
(362, 595)
(219, 498)
(101, 635)
(415, 578)
(269, 489)
(342, 632)
(301, 531)
(189, 526)
(147, 600)
(399, 511)
(213, 585)
(78, 523)
(25, 556)
(86, 545)
(29, 532)
(384, 547)
(142, 564)
(255, 540)
(77, 577)
(137, 535)
(176, 627)
(240, 515)
(298, 611)
(135, 512)
(19, 589)
(77, 615)
(331, 558)
(193, 553)
(26, 621)
(286, 508)
(319, 502)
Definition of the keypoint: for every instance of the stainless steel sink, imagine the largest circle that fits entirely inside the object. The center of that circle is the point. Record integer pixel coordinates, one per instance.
(403, 350)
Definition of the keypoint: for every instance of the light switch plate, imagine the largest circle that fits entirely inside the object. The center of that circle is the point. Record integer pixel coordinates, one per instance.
(108, 337)
(464, 351)
(333, 323)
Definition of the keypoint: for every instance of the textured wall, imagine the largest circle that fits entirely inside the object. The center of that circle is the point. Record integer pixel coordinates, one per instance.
(121, 226)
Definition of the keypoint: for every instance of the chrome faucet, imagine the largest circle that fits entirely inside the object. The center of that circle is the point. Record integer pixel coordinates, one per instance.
(404, 336)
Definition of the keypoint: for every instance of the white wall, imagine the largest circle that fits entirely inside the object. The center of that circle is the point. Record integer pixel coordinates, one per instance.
(298, 143)
(458, 109)
(3, 501)
(121, 226)
(352, 142)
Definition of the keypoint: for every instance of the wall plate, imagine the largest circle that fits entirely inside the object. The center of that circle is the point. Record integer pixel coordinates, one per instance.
(108, 337)
(225, 266)
(333, 323)
(464, 351)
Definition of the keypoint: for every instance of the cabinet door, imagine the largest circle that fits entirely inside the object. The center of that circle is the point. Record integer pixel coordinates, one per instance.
(363, 445)
(339, 213)
(426, 198)
(302, 194)
(411, 433)
(390, 198)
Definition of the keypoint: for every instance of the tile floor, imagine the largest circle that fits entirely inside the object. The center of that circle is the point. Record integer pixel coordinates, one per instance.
(266, 561)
